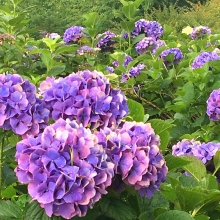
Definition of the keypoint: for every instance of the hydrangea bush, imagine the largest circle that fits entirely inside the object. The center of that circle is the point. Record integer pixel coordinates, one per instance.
(109, 126)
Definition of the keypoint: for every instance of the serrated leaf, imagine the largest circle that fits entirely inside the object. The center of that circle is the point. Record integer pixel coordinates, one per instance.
(136, 110)
(129, 10)
(209, 182)
(174, 214)
(56, 70)
(116, 209)
(9, 210)
(160, 126)
(64, 49)
(164, 140)
(196, 167)
(127, 26)
(174, 163)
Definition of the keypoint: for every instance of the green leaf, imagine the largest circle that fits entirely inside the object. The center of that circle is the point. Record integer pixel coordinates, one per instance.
(138, 38)
(174, 215)
(174, 163)
(196, 167)
(64, 49)
(201, 217)
(216, 160)
(16, 20)
(111, 76)
(9, 210)
(127, 26)
(116, 209)
(143, 216)
(34, 211)
(9, 192)
(164, 140)
(138, 2)
(160, 126)
(136, 110)
(129, 10)
(209, 182)
(91, 19)
(56, 70)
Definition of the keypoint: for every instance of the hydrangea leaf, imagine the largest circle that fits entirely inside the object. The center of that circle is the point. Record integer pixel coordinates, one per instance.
(9, 210)
(201, 217)
(216, 160)
(56, 70)
(136, 110)
(174, 163)
(175, 214)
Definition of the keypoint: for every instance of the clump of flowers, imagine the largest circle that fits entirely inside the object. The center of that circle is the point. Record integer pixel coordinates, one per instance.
(87, 97)
(53, 36)
(213, 105)
(175, 52)
(20, 110)
(149, 28)
(199, 32)
(203, 151)
(73, 34)
(10, 39)
(203, 58)
(147, 44)
(66, 170)
(106, 41)
(159, 43)
(134, 150)
(133, 72)
(87, 50)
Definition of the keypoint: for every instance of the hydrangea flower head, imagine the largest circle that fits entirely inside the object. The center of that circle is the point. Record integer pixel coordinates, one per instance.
(203, 58)
(106, 40)
(149, 28)
(147, 44)
(133, 72)
(199, 32)
(134, 150)
(159, 43)
(87, 97)
(65, 169)
(73, 34)
(177, 56)
(20, 110)
(213, 105)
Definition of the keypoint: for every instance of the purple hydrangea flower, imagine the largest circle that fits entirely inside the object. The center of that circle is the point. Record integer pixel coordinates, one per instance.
(53, 36)
(65, 169)
(149, 28)
(177, 56)
(87, 50)
(133, 72)
(136, 155)
(88, 98)
(213, 105)
(73, 34)
(199, 32)
(20, 110)
(159, 43)
(147, 44)
(203, 58)
(127, 60)
(203, 151)
(110, 69)
(106, 40)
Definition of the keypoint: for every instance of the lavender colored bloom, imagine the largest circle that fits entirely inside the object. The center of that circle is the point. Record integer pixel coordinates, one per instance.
(87, 50)
(149, 28)
(65, 169)
(127, 60)
(203, 58)
(177, 56)
(136, 155)
(53, 36)
(203, 151)
(88, 98)
(110, 69)
(159, 43)
(73, 34)
(199, 32)
(133, 72)
(147, 44)
(19, 106)
(106, 40)
(213, 105)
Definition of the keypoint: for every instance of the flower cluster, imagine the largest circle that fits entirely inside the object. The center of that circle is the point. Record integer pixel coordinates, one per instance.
(133, 72)
(175, 52)
(149, 28)
(65, 169)
(136, 155)
(20, 110)
(53, 36)
(159, 43)
(203, 58)
(213, 105)
(106, 40)
(203, 151)
(147, 44)
(199, 32)
(87, 50)
(86, 97)
(73, 34)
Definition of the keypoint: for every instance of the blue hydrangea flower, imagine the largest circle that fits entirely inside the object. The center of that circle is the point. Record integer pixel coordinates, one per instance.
(106, 41)
(133, 72)
(203, 58)
(213, 105)
(200, 32)
(177, 56)
(73, 34)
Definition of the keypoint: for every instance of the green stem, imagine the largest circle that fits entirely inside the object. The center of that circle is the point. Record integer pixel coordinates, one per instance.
(1, 164)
